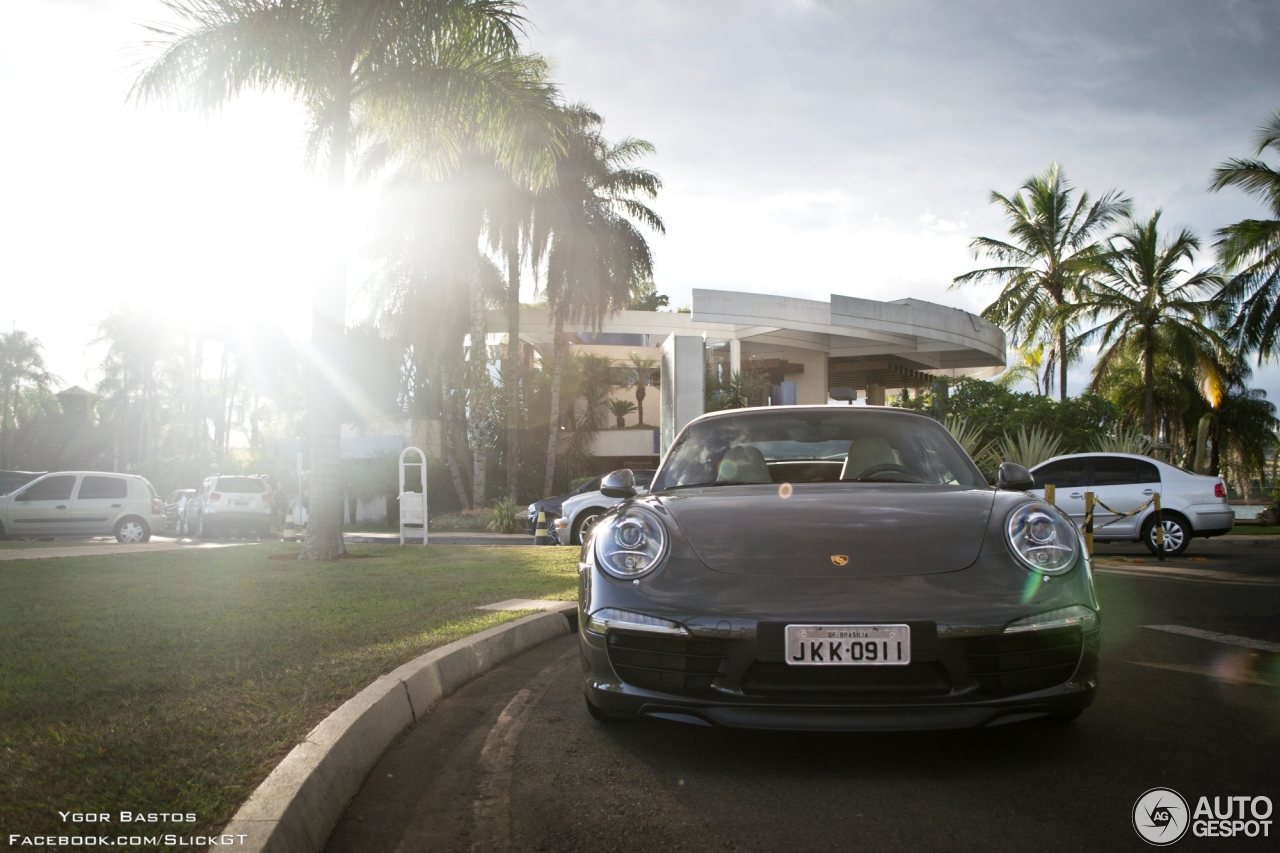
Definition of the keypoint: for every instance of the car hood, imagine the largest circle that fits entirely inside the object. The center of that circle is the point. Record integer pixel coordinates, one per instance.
(884, 530)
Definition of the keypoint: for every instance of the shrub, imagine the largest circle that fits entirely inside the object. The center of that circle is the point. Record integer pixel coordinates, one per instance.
(504, 517)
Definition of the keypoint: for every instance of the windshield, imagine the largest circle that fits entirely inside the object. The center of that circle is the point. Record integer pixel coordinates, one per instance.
(842, 445)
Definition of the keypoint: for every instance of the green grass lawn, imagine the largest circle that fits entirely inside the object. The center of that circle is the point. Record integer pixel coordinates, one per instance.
(1253, 530)
(175, 681)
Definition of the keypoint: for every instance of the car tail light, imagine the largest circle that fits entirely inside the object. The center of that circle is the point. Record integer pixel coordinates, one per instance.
(157, 506)
(1219, 491)
(215, 496)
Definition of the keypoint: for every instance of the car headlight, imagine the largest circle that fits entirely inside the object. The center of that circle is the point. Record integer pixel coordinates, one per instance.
(630, 544)
(1042, 538)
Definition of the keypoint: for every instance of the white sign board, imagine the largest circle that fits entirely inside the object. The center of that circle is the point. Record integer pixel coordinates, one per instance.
(413, 505)
(411, 508)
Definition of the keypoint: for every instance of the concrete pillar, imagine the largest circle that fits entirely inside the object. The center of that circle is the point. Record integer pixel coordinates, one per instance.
(683, 384)
(735, 356)
(875, 394)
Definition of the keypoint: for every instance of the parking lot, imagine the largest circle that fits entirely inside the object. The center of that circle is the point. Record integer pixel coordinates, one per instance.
(513, 762)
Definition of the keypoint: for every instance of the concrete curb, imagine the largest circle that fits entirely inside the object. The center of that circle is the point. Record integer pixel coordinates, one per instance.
(297, 806)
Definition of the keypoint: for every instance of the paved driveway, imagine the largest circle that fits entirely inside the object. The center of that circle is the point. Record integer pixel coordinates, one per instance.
(513, 762)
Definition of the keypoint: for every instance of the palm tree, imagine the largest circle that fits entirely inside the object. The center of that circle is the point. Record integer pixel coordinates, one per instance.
(1030, 365)
(509, 221)
(1045, 263)
(22, 370)
(1251, 248)
(1149, 299)
(428, 77)
(639, 375)
(620, 409)
(585, 232)
(1239, 427)
(136, 343)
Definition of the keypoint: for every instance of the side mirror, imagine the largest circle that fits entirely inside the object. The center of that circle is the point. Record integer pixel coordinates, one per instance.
(619, 484)
(1014, 478)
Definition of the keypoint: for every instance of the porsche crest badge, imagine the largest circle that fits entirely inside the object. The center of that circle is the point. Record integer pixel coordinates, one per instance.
(840, 559)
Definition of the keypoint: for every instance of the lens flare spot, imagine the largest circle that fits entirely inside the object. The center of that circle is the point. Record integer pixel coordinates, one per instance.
(784, 491)
(1030, 586)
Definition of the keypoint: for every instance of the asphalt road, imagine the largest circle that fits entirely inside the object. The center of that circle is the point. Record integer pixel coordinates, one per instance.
(513, 762)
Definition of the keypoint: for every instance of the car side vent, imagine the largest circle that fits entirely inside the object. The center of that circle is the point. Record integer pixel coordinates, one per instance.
(1008, 664)
(668, 664)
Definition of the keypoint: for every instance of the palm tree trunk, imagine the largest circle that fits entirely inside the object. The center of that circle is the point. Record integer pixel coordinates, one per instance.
(1062, 363)
(478, 412)
(452, 394)
(640, 393)
(328, 305)
(4, 425)
(1149, 387)
(553, 428)
(512, 378)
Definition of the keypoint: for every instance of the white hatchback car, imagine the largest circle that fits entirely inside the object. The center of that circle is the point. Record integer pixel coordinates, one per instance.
(1192, 504)
(230, 502)
(579, 513)
(83, 503)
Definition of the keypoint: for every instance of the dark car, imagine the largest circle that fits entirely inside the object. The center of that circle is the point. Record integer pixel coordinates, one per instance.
(551, 506)
(11, 481)
(834, 568)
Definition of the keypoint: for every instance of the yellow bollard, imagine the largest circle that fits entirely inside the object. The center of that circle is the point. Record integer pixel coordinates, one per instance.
(1050, 493)
(1088, 522)
(540, 533)
(1159, 527)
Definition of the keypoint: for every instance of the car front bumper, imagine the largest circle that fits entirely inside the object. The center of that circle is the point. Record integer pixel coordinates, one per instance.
(958, 682)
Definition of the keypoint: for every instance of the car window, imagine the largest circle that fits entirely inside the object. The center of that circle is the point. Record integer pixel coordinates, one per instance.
(241, 485)
(1114, 471)
(92, 488)
(644, 479)
(844, 445)
(1147, 473)
(1063, 474)
(592, 485)
(50, 489)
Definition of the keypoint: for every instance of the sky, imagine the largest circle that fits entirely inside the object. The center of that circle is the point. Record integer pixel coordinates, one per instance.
(806, 148)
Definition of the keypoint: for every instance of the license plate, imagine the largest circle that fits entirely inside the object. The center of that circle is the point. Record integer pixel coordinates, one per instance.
(848, 645)
(240, 503)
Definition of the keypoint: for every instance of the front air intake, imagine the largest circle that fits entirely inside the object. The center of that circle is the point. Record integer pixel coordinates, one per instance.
(1009, 664)
(666, 664)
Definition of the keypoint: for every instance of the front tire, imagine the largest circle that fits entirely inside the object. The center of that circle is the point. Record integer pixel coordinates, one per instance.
(1177, 535)
(132, 531)
(583, 523)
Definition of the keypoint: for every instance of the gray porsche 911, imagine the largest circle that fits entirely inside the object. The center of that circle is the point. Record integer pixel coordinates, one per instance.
(834, 568)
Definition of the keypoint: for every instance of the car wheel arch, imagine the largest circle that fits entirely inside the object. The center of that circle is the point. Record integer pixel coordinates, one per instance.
(575, 528)
(1168, 515)
(128, 520)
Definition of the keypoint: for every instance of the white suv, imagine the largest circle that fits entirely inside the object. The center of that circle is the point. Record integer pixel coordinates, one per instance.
(1192, 504)
(83, 503)
(226, 503)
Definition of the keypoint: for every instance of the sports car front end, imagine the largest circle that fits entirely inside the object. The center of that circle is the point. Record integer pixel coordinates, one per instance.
(911, 601)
